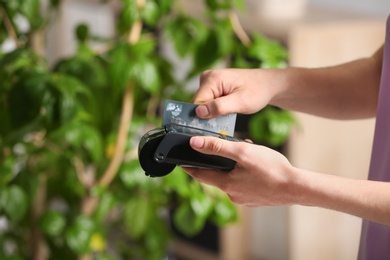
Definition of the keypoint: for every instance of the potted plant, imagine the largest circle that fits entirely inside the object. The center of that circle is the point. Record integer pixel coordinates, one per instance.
(70, 182)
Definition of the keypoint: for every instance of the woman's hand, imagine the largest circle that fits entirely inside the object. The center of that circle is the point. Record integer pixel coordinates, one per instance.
(262, 176)
(224, 91)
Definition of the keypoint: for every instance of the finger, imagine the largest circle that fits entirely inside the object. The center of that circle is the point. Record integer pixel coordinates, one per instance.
(215, 98)
(210, 177)
(217, 146)
(220, 106)
(249, 140)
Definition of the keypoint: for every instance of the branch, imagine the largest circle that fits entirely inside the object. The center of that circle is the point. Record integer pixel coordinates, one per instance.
(38, 244)
(238, 30)
(90, 203)
(127, 112)
(9, 27)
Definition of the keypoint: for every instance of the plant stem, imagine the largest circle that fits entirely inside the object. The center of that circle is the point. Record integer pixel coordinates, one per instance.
(37, 42)
(127, 112)
(8, 26)
(90, 203)
(239, 30)
(38, 245)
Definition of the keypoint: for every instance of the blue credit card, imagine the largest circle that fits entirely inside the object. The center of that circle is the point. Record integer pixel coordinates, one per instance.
(181, 113)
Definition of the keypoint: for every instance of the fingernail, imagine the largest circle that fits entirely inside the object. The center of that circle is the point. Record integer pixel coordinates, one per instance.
(202, 111)
(196, 142)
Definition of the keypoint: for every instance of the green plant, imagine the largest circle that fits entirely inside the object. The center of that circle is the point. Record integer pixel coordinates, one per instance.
(70, 182)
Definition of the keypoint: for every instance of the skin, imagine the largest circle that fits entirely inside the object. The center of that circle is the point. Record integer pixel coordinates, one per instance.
(264, 177)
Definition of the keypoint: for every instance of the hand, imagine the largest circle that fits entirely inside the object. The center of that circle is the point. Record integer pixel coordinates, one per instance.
(225, 91)
(262, 177)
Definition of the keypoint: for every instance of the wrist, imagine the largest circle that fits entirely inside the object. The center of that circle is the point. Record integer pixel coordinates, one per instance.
(281, 90)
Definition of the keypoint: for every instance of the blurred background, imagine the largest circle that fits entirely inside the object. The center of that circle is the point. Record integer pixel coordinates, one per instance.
(315, 33)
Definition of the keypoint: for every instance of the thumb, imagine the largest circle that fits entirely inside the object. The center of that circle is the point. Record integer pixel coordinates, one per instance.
(218, 107)
(217, 146)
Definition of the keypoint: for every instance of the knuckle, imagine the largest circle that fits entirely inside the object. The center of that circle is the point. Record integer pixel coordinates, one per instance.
(235, 199)
(204, 75)
(218, 107)
(242, 153)
(215, 146)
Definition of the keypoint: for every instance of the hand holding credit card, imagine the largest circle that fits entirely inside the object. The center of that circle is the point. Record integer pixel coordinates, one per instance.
(181, 113)
(161, 149)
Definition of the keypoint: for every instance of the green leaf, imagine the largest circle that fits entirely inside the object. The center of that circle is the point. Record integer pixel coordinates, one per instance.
(52, 223)
(6, 171)
(216, 5)
(120, 69)
(165, 6)
(201, 204)
(144, 47)
(157, 238)
(178, 181)
(224, 212)
(106, 203)
(206, 53)
(225, 38)
(82, 32)
(80, 136)
(128, 15)
(146, 74)
(14, 202)
(132, 175)
(270, 53)
(137, 216)
(187, 221)
(79, 234)
(25, 99)
(185, 33)
(151, 13)
(271, 126)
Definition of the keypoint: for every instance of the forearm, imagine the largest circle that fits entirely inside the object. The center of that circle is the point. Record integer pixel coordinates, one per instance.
(346, 91)
(369, 200)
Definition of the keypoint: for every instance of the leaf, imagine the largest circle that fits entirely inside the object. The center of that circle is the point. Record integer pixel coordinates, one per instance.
(129, 13)
(80, 136)
(14, 202)
(201, 204)
(146, 74)
(52, 223)
(25, 99)
(224, 212)
(106, 203)
(271, 126)
(132, 175)
(185, 33)
(206, 53)
(79, 234)
(31, 9)
(137, 216)
(120, 67)
(270, 53)
(151, 13)
(186, 220)
(165, 6)
(224, 34)
(82, 32)
(144, 47)
(6, 171)
(70, 90)
(178, 180)
(216, 5)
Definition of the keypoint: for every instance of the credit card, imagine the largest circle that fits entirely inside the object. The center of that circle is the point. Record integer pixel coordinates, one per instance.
(182, 113)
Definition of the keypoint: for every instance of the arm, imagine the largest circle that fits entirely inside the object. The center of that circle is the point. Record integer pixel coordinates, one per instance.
(263, 177)
(346, 91)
